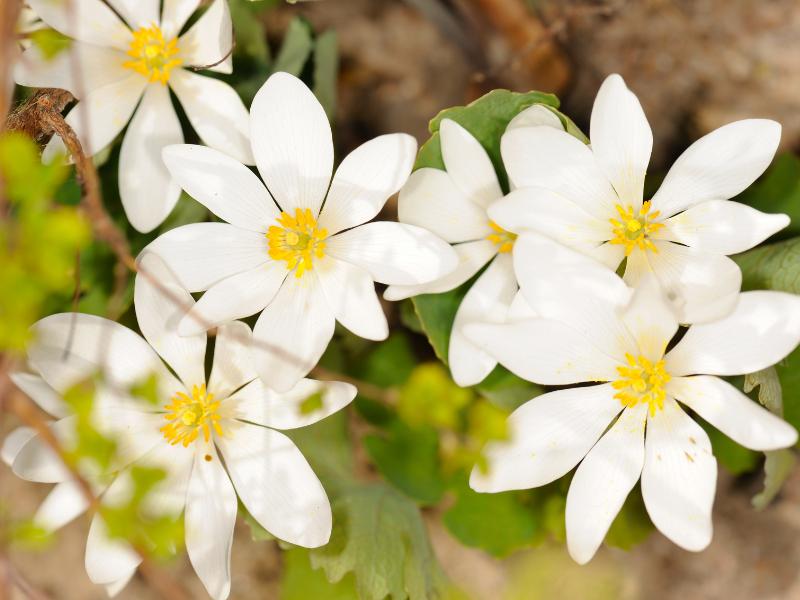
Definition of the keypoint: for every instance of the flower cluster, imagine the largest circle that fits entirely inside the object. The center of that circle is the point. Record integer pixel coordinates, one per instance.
(296, 244)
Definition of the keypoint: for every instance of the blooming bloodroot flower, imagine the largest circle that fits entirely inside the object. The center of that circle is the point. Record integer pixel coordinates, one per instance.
(453, 204)
(232, 416)
(300, 263)
(111, 66)
(600, 338)
(590, 198)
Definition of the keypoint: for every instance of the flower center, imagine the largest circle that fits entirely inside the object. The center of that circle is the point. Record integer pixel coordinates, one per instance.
(188, 416)
(504, 240)
(297, 240)
(641, 380)
(152, 55)
(632, 230)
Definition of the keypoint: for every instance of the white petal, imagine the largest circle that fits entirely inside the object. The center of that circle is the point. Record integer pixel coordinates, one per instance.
(555, 160)
(547, 213)
(563, 284)
(535, 116)
(610, 255)
(468, 164)
(80, 69)
(603, 481)
(65, 502)
(107, 560)
(14, 442)
(101, 115)
(292, 143)
(211, 508)
(258, 404)
(113, 589)
(174, 15)
(733, 413)
(544, 351)
(650, 319)
(233, 364)
(201, 254)
(700, 285)
(215, 111)
(621, 139)
(146, 188)
(431, 200)
(89, 21)
(210, 40)
(472, 256)
(292, 332)
(40, 392)
(36, 460)
(719, 165)
(549, 435)
(366, 179)
(235, 297)
(277, 485)
(763, 328)
(350, 292)
(487, 301)
(679, 477)
(722, 227)
(223, 185)
(160, 304)
(97, 344)
(520, 310)
(137, 13)
(394, 253)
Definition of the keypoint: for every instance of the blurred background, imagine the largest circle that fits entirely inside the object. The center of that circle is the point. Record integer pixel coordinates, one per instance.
(695, 65)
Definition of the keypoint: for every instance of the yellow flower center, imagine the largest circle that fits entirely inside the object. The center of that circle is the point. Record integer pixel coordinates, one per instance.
(152, 55)
(297, 240)
(632, 230)
(188, 416)
(640, 381)
(504, 240)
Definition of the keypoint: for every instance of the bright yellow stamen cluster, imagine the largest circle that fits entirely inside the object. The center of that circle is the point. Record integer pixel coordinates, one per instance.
(188, 416)
(632, 230)
(642, 381)
(297, 240)
(153, 56)
(504, 240)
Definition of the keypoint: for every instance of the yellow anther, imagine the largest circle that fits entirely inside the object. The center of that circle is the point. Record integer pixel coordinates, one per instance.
(504, 240)
(189, 416)
(641, 381)
(152, 55)
(634, 230)
(297, 240)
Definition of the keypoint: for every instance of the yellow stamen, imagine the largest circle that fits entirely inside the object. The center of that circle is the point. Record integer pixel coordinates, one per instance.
(504, 240)
(190, 416)
(297, 240)
(641, 381)
(153, 56)
(633, 230)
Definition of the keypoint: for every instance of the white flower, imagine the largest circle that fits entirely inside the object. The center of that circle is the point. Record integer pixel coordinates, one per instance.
(590, 198)
(111, 66)
(597, 335)
(233, 416)
(453, 204)
(303, 264)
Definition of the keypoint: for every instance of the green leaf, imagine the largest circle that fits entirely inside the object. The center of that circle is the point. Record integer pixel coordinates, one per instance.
(735, 458)
(390, 363)
(296, 48)
(497, 523)
(632, 524)
(257, 532)
(379, 536)
(772, 267)
(777, 468)
(50, 42)
(326, 69)
(326, 446)
(409, 459)
(778, 191)
(251, 39)
(486, 119)
(300, 582)
(430, 397)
